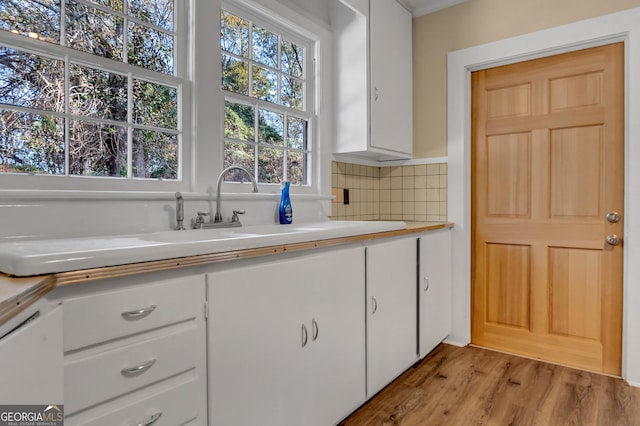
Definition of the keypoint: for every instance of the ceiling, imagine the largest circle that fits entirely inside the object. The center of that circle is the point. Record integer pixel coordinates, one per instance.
(423, 7)
(319, 10)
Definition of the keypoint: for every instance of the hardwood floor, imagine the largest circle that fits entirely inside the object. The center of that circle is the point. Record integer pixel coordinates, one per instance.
(473, 386)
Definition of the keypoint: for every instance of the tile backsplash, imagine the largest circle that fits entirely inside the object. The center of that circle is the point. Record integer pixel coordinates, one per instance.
(413, 193)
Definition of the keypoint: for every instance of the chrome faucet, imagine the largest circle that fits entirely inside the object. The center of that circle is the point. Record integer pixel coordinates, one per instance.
(218, 217)
(179, 212)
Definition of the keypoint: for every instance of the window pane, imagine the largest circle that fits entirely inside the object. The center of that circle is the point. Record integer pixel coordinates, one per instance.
(265, 47)
(271, 127)
(270, 165)
(239, 122)
(155, 155)
(297, 133)
(234, 37)
(97, 149)
(111, 4)
(155, 105)
(96, 93)
(150, 49)
(265, 84)
(292, 92)
(34, 18)
(31, 143)
(157, 12)
(292, 59)
(94, 31)
(242, 154)
(31, 81)
(235, 75)
(296, 167)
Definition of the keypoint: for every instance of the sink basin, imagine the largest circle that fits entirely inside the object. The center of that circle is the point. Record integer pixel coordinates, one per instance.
(36, 257)
(196, 235)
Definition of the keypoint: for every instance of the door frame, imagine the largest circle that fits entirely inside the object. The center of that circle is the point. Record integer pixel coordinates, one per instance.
(615, 27)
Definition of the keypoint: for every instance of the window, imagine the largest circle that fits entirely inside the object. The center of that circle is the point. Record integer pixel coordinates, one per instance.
(268, 93)
(90, 88)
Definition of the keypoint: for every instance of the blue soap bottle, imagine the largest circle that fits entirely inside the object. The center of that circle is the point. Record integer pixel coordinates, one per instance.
(286, 212)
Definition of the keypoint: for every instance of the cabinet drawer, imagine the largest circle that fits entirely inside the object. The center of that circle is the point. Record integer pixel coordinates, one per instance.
(177, 405)
(93, 379)
(109, 315)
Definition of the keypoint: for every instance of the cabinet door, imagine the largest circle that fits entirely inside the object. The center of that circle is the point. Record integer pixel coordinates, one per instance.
(256, 369)
(286, 340)
(31, 358)
(391, 311)
(434, 289)
(337, 341)
(391, 77)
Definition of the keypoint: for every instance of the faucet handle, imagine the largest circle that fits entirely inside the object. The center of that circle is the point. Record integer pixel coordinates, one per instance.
(235, 217)
(201, 216)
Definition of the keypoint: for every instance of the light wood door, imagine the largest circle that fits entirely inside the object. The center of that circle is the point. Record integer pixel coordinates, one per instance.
(547, 167)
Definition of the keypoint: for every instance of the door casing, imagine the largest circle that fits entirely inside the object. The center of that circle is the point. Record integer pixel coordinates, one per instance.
(616, 27)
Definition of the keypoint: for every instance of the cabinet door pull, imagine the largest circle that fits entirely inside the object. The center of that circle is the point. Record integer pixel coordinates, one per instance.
(427, 284)
(135, 371)
(139, 313)
(374, 305)
(316, 330)
(151, 420)
(305, 335)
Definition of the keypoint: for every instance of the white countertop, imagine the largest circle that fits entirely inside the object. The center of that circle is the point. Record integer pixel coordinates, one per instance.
(37, 257)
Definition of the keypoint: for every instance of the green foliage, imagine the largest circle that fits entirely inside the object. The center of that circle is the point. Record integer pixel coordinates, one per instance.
(35, 143)
(273, 78)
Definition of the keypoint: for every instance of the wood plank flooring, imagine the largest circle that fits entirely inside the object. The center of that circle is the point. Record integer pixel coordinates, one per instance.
(473, 386)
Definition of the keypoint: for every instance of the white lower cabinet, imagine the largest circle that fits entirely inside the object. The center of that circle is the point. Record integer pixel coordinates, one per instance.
(31, 356)
(290, 339)
(287, 340)
(391, 311)
(135, 351)
(434, 289)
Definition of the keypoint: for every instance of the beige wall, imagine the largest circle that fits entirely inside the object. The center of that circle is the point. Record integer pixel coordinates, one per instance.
(470, 24)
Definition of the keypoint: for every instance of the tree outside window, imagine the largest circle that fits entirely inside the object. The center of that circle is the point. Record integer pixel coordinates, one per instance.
(65, 109)
(266, 122)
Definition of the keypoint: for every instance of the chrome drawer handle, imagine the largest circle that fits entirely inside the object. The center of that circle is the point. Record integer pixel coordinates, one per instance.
(151, 420)
(135, 371)
(139, 313)
(316, 330)
(305, 335)
(374, 305)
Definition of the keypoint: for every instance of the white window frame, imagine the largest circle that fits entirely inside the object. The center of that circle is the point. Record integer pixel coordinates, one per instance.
(202, 111)
(278, 25)
(179, 81)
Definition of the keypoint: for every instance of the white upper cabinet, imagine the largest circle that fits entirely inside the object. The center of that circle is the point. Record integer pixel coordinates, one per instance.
(373, 112)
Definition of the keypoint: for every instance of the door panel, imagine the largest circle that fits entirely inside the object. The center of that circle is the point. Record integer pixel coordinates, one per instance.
(575, 179)
(508, 268)
(574, 288)
(509, 175)
(547, 167)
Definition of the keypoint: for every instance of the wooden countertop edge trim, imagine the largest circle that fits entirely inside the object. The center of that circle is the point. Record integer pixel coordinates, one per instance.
(12, 306)
(85, 275)
(16, 304)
